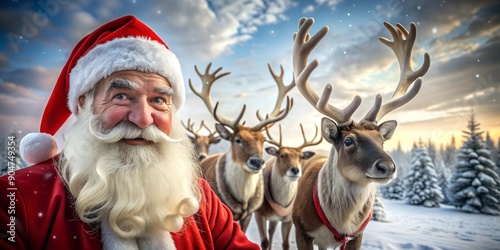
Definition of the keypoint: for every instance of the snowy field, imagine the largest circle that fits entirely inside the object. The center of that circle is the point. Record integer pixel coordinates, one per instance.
(418, 227)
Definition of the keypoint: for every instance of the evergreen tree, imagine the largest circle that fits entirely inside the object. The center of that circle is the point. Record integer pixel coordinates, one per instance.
(475, 186)
(443, 176)
(378, 208)
(431, 149)
(498, 157)
(11, 159)
(420, 186)
(448, 156)
(490, 145)
(394, 190)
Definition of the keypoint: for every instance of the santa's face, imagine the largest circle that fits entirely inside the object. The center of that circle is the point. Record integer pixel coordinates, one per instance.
(140, 98)
(127, 159)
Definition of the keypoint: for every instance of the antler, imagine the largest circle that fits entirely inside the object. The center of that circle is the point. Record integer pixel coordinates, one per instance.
(306, 143)
(272, 140)
(302, 48)
(282, 91)
(190, 127)
(311, 142)
(207, 80)
(277, 114)
(402, 46)
(210, 133)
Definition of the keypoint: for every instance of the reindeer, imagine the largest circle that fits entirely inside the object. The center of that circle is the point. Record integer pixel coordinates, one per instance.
(236, 176)
(201, 142)
(281, 176)
(336, 195)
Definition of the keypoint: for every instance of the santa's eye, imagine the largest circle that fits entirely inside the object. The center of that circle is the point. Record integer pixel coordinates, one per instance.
(120, 96)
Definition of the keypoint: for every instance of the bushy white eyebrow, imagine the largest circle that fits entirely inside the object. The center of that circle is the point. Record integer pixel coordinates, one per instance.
(165, 90)
(119, 83)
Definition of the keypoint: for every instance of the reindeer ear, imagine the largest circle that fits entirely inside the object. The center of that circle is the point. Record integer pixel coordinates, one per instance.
(307, 154)
(386, 129)
(330, 130)
(223, 132)
(215, 139)
(272, 151)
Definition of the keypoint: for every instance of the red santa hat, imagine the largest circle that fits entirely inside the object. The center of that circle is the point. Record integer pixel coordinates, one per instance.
(122, 44)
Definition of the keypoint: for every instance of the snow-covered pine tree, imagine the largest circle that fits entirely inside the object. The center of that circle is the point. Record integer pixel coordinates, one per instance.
(394, 190)
(420, 185)
(378, 208)
(490, 145)
(449, 153)
(474, 185)
(11, 159)
(431, 149)
(443, 176)
(497, 162)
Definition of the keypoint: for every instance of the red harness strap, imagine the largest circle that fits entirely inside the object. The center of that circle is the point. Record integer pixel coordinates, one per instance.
(338, 237)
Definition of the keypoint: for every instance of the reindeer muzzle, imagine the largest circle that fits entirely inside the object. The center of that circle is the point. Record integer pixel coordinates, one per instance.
(255, 164)
(383, 170)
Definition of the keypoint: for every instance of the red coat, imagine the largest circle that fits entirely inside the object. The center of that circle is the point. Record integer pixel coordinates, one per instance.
(36, 212)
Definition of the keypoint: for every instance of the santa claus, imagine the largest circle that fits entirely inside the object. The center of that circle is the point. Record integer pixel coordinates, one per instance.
(126, 177)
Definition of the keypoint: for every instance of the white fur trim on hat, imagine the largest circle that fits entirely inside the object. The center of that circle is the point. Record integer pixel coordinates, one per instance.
(126, 53)
(37, 147)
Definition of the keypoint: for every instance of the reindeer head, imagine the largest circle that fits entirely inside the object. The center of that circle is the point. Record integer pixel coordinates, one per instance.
(201, 142)
(288, 159)
(357, 147)
(246, 142)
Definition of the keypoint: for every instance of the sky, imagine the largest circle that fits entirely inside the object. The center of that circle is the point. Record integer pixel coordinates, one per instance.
(414, 227)
(242, 36)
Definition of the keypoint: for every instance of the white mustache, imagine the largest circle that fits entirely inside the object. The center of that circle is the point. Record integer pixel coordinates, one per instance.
(127, 130)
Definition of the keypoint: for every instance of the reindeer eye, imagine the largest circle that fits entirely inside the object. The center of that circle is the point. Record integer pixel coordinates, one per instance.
(348, 142)
(237, 140)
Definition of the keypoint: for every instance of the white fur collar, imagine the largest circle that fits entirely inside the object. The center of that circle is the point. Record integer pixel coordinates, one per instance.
(111, 241)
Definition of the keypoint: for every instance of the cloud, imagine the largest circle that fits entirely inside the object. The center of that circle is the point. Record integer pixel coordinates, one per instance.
(20, 106)
(15, 90)
(308, 9)
(4, 61)
(212, 30)
(359, 64)
(36, 78)
(330, 3)
(84, 22)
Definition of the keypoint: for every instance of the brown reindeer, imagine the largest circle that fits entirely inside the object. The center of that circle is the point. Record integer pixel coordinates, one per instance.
(236, 176)
(201, 142)
(336, 194)
(281, 176)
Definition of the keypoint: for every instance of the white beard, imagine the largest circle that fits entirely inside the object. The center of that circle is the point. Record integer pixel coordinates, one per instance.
(139, 192)
(111, 241)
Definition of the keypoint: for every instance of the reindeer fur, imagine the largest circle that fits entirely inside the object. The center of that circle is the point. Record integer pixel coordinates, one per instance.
(241, 191)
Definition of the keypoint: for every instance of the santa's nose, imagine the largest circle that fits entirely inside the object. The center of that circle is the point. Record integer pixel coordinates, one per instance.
(140, 114)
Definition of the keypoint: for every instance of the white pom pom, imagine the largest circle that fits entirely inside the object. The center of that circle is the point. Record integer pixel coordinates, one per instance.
(37, 147)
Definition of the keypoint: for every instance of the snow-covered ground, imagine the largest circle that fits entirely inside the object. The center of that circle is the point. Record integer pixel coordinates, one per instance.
(418, 227)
